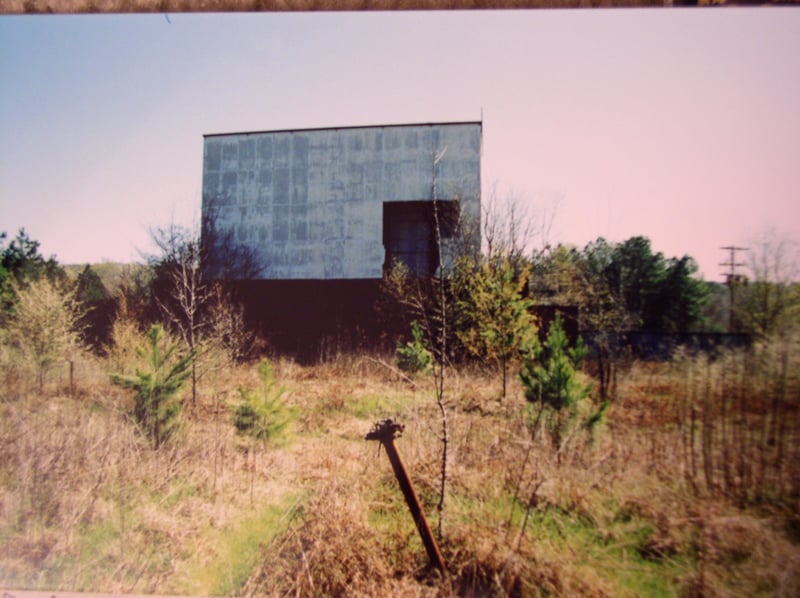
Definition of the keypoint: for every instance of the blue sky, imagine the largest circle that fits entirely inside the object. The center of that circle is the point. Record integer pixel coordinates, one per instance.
(681, 125)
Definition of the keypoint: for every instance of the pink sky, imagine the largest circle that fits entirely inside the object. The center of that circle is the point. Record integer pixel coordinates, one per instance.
(680, 125)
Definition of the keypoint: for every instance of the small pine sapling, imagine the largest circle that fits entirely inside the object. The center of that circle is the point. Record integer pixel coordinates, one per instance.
(156, 407)
(549, 378)
(261, 414)
(413, 356)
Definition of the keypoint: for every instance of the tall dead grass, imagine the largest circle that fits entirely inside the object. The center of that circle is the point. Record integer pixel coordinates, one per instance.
(716, 438)
(729, 425)
(86, 504)
(57, 462)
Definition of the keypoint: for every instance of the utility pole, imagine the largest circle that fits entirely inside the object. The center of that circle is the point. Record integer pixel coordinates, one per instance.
(732, 280)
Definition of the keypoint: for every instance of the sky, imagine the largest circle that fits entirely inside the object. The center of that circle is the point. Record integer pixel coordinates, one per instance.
(681, 125)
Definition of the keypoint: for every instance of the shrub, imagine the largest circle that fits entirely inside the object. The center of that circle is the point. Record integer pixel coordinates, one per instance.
(494, 322)
(413, 356)
(156, 408)
(550, 380)
(46, 325)
(262, 414)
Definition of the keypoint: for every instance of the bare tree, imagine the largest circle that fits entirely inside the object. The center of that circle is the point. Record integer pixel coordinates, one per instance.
(181, 291)
(227, 326)
(224, 259)
(440, 352)
(770, 302)
(512, 229)
(46, 326)
(194, 272)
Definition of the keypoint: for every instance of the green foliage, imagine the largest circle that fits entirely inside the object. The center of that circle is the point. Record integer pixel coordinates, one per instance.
(617, 550)
(371, 407)
(21, 258)
(550, 381)
(262, 414)
(235, 551)
(6, 295)
(633, 274)
(681, 298)
(716, 310)
(494, 322)
(550, 377)
(90, 287)
(624, 286)
(20, 263)
(156, 407)
(413, 356)
(618, 288)
(766, 308)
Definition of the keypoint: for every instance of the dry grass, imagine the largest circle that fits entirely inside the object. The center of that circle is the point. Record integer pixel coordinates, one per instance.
(85, 504)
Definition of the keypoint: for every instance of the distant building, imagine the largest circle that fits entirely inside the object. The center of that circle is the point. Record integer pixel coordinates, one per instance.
(326, 211)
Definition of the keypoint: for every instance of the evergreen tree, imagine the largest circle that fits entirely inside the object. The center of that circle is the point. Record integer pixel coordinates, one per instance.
(22, 259)
(623, 286)
(99, 308)
(680, 299)
(156, 407)
(21, 263)
(90, 287)
(550, 381)
(413, 356)
(494, 322)
(262, 414)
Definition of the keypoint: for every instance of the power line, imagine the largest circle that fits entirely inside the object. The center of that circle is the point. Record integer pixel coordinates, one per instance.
(732, 279)
(732, 263)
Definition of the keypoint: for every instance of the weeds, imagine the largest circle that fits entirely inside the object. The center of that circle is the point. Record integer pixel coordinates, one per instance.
(739, 423)
(85, 504)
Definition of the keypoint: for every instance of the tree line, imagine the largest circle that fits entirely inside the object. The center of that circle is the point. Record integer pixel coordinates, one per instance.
(479, 306)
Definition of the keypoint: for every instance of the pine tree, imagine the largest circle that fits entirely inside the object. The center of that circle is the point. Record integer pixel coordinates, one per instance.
(413, 356)
(495, 323)
(550, 380)
(262, 414)
(156, 407)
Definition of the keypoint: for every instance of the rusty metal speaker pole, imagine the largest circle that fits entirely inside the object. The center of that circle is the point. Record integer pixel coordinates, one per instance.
(385, 432)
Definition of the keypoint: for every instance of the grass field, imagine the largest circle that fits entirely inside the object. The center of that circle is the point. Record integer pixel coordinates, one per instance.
(86, 504)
